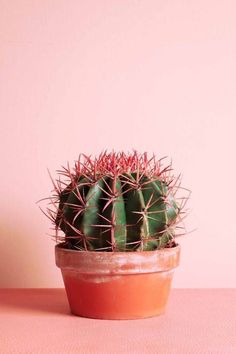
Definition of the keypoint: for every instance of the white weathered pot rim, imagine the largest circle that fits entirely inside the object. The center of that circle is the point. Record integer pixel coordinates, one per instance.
(95, 262)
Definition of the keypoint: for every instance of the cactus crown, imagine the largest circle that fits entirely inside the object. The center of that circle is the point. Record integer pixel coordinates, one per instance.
(117, 202)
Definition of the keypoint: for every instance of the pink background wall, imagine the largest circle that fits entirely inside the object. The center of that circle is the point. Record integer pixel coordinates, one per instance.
(81, 76)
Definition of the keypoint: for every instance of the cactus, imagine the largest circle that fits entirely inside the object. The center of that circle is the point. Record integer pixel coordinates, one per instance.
(117, 202)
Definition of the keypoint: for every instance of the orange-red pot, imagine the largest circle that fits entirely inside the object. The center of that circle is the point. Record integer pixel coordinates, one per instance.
(117, 285)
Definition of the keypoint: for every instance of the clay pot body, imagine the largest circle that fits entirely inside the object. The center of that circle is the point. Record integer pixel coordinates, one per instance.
(117, 285)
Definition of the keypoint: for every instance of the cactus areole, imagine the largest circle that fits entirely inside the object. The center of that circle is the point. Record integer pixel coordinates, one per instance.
(117, 202)
(116, 217)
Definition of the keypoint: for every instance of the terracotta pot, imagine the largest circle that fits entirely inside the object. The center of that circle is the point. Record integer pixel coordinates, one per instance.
(117, 285)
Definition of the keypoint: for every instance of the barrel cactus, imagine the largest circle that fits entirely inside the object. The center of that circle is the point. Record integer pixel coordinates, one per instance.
(117, 202)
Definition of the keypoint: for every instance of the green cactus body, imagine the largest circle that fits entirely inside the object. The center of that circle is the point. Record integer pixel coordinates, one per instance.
(119, 209)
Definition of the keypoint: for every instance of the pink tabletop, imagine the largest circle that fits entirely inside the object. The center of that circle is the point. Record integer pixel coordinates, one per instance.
(36, 321)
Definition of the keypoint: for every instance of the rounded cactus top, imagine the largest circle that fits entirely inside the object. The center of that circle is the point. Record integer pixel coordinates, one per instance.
(117, 202)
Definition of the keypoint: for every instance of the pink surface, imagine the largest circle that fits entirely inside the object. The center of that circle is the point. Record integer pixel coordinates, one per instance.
(85, 75)
(196, 322)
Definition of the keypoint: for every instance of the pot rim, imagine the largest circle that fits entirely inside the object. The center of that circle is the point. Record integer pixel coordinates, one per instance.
(107, 263)
(168, 249)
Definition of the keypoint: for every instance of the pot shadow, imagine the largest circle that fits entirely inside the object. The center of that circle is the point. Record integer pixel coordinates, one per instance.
(34, 301)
